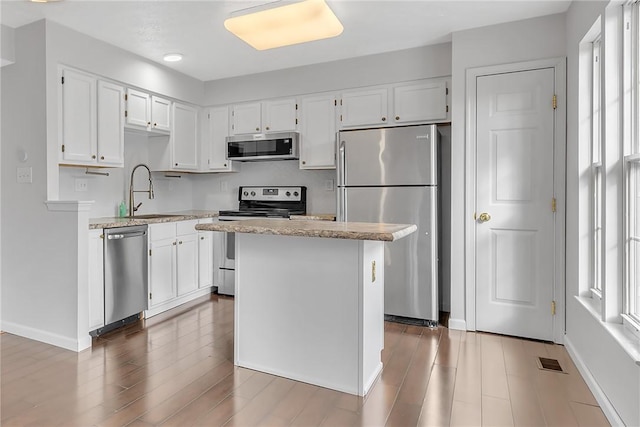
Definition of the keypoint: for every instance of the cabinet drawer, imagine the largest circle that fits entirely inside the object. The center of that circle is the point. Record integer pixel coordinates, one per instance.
(186, 227)
(162, 231)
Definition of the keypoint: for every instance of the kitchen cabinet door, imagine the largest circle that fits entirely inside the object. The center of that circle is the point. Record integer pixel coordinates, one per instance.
(138, 113)
(420, 102)
(318, 132)
(160, 114)
(279, 115)
(79, 119)
(184, 137)
(205, 257)
(364, 108)
(110, 137)
(187, 263)
(217, 131)
(246, 118)
(96, 280)
(162, 270)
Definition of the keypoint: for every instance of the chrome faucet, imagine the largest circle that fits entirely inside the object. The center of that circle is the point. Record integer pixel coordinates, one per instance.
(132, 208)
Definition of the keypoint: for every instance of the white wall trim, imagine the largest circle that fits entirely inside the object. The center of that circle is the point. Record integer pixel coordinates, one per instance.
(458, 324)
(47, 337)
(559, 66)
(606, 406)
(69, 205)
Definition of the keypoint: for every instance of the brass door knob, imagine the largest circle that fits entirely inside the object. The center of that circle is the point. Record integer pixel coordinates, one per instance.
(484, 217)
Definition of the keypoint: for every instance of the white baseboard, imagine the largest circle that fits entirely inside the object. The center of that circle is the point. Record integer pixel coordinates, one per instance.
(47, 337)
(606, 406)
(458, 324)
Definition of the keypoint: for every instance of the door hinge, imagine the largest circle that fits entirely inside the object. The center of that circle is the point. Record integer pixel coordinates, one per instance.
(296, 121)
(126, 113)
(555, 102)
(126, 97)
(446, 91)
(149, 252)
(209, 116)
(553, 308)
(63, 148)
(447, 108)
(62, 79)
(150, 295)
(296, 107)
(553, 204)
(335, 102)
(340, 117)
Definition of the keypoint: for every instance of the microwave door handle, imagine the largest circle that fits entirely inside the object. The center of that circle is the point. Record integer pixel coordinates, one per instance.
(341, 164)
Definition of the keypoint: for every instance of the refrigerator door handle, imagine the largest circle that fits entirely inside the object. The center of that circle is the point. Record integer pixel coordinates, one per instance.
(341, 164)
(342, 204)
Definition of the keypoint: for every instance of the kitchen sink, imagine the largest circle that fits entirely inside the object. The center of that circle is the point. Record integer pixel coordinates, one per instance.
(151, 216)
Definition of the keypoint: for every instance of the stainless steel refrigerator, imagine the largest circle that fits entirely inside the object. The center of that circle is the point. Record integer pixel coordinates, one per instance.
(391, 175)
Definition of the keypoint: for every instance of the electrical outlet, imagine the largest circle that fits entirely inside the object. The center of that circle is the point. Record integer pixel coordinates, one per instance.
(25, 175)
(224, 186)
(81, 184)
(328, 184)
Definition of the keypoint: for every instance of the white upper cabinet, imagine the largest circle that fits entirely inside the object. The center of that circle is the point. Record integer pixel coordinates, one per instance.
(184, 137)
(79, 119)
(264, 117)
(138, 112)
(160, 114)
(217, 131)
(364, 107)
(147, 112)
(279, 115)
(110, 124)
(91, 128)
(420, 102)
(246, 118)
(318, 132)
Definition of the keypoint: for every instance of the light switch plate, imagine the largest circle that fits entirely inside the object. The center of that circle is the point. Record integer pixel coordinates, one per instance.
(328, 184)
(25, 175)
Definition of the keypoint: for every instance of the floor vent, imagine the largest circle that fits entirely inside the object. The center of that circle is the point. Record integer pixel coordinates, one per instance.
(549, 364)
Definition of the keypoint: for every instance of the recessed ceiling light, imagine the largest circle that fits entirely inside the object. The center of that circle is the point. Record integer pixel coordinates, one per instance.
(286, 25)
(173, 57)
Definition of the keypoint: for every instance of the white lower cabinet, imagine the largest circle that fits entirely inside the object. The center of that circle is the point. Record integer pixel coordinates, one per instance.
(205, 256)
(174, 265)
(96, 280)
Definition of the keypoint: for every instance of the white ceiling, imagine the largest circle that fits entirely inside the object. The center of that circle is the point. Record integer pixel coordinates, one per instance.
(195, 28)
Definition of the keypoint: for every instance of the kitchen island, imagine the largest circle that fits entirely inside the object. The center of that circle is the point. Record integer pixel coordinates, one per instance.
(309, 301)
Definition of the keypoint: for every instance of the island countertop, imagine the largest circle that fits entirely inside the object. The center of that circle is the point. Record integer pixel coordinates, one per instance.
(303, 228)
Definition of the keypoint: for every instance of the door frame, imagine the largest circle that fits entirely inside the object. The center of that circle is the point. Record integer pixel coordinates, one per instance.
(559, 178)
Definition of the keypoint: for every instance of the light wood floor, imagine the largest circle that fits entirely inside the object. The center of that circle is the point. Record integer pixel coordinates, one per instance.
(177, 370)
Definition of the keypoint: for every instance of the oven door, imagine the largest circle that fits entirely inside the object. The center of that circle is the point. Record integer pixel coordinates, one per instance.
(226, 272)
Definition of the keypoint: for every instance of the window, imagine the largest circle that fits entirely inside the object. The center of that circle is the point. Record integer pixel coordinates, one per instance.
(632, 166)
(596, 170)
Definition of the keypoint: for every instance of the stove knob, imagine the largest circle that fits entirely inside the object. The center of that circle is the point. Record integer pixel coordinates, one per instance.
(253, 193)
(295, 194)
(288, 193)
(246, 193)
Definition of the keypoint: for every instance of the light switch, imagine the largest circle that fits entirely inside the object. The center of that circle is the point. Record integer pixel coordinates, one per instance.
(25, 175)
(328, 184)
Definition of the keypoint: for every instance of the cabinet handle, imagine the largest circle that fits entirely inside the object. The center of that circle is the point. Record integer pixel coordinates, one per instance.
(93, 157)
(225, 165)
(176, 164)
(101, 157)
(267, 128)
(397, 117)
(180, 242)
(155, 124)
(304, 162)
(384, 119)
(257, 129)
(174, 243)
(202, 238)
(148, 123)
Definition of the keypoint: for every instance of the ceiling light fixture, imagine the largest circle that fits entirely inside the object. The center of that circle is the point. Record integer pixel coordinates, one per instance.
(173, 57)
(295, 23)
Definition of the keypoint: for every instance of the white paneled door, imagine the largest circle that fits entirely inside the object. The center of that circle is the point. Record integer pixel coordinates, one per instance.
(515, 203)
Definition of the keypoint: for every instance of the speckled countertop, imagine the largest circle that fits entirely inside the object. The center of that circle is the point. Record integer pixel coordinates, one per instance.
(111, 222)
(315, 217)
(305, 228)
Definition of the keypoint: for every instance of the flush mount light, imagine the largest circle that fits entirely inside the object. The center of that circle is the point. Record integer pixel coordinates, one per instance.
(172, 57)
(286, 25)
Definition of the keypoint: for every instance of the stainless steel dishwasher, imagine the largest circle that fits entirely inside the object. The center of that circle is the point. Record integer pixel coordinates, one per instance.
(125, 273)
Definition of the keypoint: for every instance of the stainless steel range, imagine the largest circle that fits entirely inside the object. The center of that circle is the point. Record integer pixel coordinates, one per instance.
(262, 203)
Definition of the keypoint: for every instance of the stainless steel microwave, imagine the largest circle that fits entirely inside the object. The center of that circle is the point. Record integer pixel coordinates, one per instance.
(272, 146)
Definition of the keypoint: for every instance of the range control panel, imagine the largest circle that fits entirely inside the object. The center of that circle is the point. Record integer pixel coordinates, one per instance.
(290, 194)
